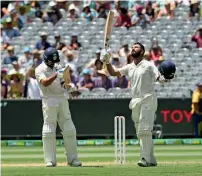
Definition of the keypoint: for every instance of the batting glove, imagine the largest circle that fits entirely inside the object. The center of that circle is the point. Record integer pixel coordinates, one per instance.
(72, 88)
(162, 79)
(105, 56)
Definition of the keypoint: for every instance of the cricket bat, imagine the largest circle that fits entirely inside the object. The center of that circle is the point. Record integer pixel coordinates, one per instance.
(66, 77)
(108, 30)
(67, 80)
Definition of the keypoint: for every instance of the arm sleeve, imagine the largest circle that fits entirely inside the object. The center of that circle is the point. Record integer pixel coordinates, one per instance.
(39, 75)
(195, 97)
(154, 72)
(124, 70)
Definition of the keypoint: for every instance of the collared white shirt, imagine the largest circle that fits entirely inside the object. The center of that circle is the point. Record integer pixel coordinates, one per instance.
(142, 77)
(53, 90)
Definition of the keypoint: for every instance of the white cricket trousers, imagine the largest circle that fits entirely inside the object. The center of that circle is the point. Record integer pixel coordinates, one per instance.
(56, 109)
(143, 112)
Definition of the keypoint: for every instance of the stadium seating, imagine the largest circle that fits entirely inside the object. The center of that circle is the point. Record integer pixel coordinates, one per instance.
(174, 37)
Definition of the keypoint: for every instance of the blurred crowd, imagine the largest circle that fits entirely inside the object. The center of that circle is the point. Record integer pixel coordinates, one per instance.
(19, 80)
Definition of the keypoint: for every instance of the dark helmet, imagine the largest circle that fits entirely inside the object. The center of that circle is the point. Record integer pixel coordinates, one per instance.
(167, 68)
(51, 56)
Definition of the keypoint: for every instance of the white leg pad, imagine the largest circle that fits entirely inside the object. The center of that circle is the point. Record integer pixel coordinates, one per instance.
(145, 127)
(49, 142)
(136, 127)
(145, 146)
(70, 141)
(152, 158)
(70, 144)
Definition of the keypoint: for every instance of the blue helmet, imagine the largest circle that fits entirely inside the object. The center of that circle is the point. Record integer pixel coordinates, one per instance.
(167, 68)
(51, 56)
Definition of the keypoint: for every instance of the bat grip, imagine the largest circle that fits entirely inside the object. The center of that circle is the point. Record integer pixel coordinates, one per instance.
(104, 65)
(106, 47)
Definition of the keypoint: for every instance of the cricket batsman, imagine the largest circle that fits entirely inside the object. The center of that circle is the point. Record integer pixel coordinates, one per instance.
(142, 75)
(55, 108)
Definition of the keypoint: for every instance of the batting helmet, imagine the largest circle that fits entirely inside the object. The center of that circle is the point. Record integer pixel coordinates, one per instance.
(51, 56)
(167, 69)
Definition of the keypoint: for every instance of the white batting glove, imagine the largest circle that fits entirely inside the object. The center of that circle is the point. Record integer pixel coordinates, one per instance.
(162, 80)
(60, 76)
(105, 56)
(72, 88)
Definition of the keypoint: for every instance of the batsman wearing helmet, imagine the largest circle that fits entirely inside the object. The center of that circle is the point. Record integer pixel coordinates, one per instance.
(142, 74)
(55, 109)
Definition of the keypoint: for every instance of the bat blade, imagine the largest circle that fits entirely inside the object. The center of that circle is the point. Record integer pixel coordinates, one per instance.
(108, 28)
(66, 77)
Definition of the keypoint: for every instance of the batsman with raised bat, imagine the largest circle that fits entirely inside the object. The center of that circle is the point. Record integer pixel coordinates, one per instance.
(53, 85)
(142, 75)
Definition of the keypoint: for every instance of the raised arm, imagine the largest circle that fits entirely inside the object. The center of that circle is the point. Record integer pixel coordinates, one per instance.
(105, 58)
(112, 71)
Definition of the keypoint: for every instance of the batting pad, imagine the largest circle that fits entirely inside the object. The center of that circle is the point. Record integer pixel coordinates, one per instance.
(70, 144)
(145, 127)
(152, 158)
(69, 137)
(49, 143)
(145, 146)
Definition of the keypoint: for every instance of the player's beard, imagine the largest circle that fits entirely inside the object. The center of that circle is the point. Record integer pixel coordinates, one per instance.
(136, 54)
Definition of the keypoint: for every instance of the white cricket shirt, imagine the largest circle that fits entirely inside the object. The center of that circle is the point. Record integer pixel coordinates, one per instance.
(142, 77)
(53, 90)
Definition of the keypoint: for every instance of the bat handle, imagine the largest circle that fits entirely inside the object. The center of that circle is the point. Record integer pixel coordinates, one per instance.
(104, 65)
(106, 45)
(106, 48)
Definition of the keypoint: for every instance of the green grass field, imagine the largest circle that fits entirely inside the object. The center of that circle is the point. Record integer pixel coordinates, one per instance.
(173, 160)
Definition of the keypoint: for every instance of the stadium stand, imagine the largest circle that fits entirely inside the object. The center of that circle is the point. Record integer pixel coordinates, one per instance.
(174, 37)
